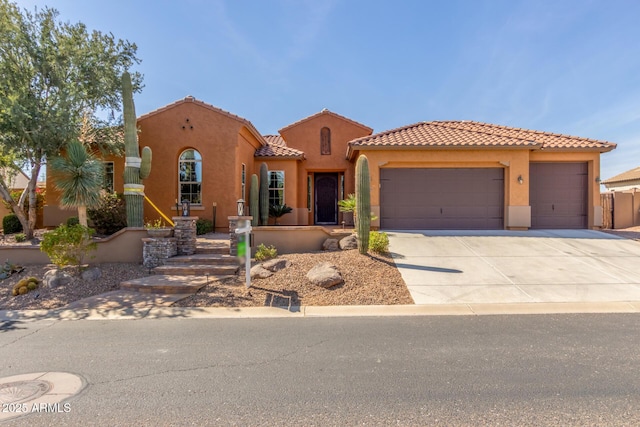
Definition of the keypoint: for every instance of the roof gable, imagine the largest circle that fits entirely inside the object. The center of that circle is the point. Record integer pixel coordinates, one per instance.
(191, 99)
(325, 112)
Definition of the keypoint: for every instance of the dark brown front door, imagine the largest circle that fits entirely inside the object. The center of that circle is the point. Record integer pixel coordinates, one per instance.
(558, 195)
(441, 199)
(326, 185)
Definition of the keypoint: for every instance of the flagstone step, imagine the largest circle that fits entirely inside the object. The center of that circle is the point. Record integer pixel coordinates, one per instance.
(166, 284)
(211, 249)
(195, 269)
(203, 259)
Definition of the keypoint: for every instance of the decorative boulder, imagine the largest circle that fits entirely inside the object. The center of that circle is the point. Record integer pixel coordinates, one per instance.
(330, 245)
(325, 275)
(349, 242)
(276, 264)
(259, 272)
(55, 278)
(91, 274)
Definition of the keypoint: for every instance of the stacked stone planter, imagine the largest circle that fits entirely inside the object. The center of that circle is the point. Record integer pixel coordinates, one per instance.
(155, 251)
(184, 232)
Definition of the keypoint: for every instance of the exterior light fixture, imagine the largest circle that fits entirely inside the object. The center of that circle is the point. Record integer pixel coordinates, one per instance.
(186, 208)
(520, 179)
(240, 207)
(598, 179)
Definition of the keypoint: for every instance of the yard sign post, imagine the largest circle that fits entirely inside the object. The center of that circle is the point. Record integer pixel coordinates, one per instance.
(244, 248)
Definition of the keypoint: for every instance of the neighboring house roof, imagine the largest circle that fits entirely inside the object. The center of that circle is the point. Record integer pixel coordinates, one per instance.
(326, 112)
(630, 175)
(277, 147)
(193, 100)
(469, 134)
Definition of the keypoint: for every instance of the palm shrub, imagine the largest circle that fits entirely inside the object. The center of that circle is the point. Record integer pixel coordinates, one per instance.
(277, 211)
(68, 245)
(79, 176)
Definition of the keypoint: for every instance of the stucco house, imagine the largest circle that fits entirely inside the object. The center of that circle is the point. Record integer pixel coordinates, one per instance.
(429, 175)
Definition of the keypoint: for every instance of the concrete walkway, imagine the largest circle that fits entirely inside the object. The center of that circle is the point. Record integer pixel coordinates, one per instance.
(507, 267)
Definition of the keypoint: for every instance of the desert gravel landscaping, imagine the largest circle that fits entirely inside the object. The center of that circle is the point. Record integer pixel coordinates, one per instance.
(368, 280)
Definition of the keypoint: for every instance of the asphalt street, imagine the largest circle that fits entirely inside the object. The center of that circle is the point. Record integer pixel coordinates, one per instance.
(449, 370)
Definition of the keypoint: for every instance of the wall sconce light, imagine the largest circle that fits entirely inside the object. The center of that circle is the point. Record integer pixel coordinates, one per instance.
(520, 180)
(186, 208)
(598, 180)
(240, 207)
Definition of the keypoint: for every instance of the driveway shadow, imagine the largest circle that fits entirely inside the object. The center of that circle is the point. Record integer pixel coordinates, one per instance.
(427, 268)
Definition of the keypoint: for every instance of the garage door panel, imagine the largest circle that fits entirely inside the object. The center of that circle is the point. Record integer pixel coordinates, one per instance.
(442, 198)
(558, 195)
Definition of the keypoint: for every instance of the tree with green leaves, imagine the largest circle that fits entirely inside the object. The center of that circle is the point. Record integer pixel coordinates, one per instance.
(52, 76)
(79, 175)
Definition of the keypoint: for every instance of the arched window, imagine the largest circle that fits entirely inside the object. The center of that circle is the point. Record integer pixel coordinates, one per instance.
(190, 176)
(325, 141)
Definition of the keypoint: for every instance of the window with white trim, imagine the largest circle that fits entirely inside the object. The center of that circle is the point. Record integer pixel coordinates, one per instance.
(276, 187)
(190, 176)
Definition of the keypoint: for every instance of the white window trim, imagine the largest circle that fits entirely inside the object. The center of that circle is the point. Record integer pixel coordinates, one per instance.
(277, 188)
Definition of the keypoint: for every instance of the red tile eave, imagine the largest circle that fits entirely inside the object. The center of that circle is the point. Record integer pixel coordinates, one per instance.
(351, 151)
(301, 157)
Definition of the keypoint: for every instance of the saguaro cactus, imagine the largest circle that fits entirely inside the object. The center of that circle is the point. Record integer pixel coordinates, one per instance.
(363, 204)
(136, 167)
(254, 200)
(264, 194)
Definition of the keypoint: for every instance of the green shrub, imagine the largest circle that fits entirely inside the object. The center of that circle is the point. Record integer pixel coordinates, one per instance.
(110, 216)
(11, 224)
(203, 226)
(264, 253)
(378, 242)
(72, 220)
(20, 237)
(68, 245)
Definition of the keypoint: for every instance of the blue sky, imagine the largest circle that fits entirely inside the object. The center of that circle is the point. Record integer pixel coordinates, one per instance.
(569, 67)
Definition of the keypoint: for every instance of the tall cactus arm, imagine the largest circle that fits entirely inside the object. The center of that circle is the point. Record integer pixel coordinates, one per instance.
(145, 166)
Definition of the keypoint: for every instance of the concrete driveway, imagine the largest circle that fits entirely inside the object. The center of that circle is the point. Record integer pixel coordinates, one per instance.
(451, 267)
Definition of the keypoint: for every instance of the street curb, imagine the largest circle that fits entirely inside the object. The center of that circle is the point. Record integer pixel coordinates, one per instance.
(323, 311)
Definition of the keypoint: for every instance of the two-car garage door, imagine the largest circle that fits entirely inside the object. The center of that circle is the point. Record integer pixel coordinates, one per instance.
(473, 199)
(464, 199)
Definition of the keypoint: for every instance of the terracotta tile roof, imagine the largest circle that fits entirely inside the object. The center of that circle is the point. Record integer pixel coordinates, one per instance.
(630, 175)
(468, 134)
(327, 112)
(190, 98)
(275, 140)
(276, 147)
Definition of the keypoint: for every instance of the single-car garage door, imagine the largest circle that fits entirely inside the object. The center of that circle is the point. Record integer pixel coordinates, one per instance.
(441, 199)
(558, 195)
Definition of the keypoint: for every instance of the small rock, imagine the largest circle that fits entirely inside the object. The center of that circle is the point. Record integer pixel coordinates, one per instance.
(349, 242)
(276, 264)
(325, 275)
(259, 272)
(330, 245)
(55, 278)
(91, 274)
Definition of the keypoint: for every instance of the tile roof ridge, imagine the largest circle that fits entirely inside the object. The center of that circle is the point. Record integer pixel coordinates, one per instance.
(536, 132)
(629, 175)
(388, 132)
(325, 111)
